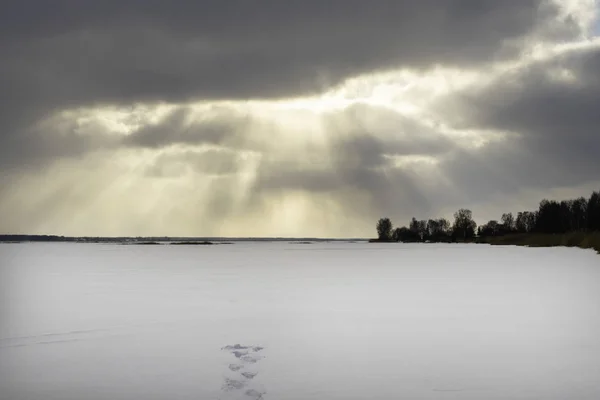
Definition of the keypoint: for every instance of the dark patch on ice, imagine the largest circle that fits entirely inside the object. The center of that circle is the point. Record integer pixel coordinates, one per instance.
(235, 367)
(257, 348)
(249, 375)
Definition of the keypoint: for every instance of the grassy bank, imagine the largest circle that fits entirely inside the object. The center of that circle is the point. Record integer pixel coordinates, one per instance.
(584, 240)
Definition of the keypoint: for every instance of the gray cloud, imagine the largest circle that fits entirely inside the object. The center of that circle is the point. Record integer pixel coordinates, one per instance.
(210, 162)
(181, 127)
(361, 141)
(49, 139)
(553, 117)
(551, 98)
(74, 54)
(553, 141)
(363, 129)
(83, 53)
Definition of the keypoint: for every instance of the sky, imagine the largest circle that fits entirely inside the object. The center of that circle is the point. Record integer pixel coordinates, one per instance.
(296, 118)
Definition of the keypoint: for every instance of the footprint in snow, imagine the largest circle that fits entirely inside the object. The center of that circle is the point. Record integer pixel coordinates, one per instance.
(249, 375)
(239, 354)
(235, 367)
(247, 356)
(250, 358)
(235, 347)
(232, 384)
(255, 394)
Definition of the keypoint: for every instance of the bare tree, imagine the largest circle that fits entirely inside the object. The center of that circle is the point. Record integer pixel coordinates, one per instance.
(384, 229)
(464, 226)
(508, 221)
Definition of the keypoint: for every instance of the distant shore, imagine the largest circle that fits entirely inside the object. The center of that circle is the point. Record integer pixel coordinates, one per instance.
(154, 240)
(584, 240)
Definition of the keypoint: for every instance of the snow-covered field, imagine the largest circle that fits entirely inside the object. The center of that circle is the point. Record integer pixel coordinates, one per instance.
(298, 321)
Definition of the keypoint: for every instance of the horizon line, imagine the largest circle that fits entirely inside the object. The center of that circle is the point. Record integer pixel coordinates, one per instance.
(183, 237)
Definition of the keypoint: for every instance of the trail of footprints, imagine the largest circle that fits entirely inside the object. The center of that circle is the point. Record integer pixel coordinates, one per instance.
(242, 383)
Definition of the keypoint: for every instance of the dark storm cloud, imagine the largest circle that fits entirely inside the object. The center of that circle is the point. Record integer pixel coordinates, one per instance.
(554, 98)
(54, 138)
(148, 50)
(122, 51)
(71, 54)
(506, 168)
(549, 110)
(219, 126)
(552, 110)
(68, 54)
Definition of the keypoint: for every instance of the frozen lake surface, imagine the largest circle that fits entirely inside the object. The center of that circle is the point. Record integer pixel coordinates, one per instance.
(298, 321)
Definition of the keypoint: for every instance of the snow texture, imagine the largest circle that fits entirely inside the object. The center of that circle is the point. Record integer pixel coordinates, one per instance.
(278, 321)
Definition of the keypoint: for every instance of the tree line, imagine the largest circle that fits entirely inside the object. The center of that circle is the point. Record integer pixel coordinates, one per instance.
(551, 217)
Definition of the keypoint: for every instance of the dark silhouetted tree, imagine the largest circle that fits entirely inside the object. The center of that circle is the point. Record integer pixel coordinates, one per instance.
(552, 217)
(423, 234)
(520, 224)
(531, 218)
(464, 225)
(384, 229)
(579, 214)
(549, 217)
(438, 230)
(404, 235)
(565, 216)
(593, 212)
(525, 222)
(492, 228)
(396, 234)
(444, 226)
(508, 222)
(432, 228)
(418, 229)
(414, 226)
